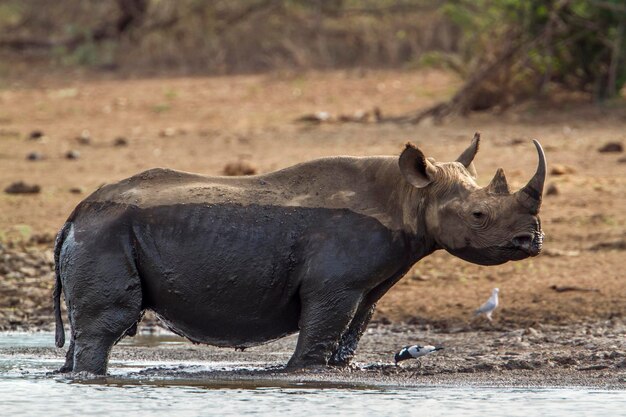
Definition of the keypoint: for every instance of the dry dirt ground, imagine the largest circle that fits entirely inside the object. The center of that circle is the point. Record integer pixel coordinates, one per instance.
(201, 124)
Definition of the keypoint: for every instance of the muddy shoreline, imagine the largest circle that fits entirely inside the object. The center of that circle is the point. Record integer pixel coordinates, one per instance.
(586, 355)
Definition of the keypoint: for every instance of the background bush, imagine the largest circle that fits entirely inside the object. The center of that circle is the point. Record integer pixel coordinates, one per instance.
(507, 50)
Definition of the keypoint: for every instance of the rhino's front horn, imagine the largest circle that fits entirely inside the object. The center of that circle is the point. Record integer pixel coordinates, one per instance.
(530, 195)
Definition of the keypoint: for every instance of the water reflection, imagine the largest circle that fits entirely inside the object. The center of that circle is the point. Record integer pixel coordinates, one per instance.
(26, 389)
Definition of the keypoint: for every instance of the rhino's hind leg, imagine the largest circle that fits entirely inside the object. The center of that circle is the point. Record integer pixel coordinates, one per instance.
(322, 322)
(97, 327)
(105, 301)
(91, 353)
(68, 366)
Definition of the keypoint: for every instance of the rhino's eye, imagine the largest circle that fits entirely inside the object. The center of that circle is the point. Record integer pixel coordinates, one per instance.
(478, 214)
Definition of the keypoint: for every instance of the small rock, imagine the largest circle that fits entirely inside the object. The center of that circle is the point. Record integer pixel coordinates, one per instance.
(28, 271)
(35, 135)
(593, 368)
(72, 154)
(359, 116)
(34, 156)
(318, 117)
(622, 160)
(419, 277)
(552, 189)
(520, 364)
(167, 132)
(598, 355)
(565, 360)
(611, 147)
(239, 168)
(84, 138)
(531, 332)
(619, 244)
(21, 187)
(76, 190)
(378, 114)
(517, 141)
(384, 320)
(558, 169)
(621, 365)
(120, 141)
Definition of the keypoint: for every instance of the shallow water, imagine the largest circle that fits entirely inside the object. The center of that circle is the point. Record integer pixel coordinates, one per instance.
(26, 390)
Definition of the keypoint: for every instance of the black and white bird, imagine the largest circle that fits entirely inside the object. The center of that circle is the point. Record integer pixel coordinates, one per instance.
(415, 352)
(489, 306)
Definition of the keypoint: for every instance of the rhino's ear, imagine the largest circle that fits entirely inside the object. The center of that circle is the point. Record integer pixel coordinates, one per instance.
(468, 155)
(415, 168)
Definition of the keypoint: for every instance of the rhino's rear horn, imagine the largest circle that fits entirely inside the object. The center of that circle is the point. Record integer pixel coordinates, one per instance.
(468, 155)
(530, 195)
(498, 184)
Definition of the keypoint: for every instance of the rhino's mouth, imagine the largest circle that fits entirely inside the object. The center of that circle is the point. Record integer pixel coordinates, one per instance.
(529, 243)
(521, 246)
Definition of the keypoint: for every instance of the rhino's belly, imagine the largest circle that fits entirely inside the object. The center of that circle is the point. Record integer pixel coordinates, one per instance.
(224, 275)
(222, 323)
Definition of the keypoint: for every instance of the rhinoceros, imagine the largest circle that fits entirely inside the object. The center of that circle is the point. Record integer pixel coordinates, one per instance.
(240, 261)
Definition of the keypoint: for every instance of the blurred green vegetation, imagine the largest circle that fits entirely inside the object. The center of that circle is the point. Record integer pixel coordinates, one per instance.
(576, 44)
(512, 49)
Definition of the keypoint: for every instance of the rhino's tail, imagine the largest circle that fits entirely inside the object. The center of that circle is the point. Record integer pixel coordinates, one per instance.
(58, 244)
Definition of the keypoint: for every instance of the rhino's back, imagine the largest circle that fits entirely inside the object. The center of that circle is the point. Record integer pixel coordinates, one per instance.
(336, 182)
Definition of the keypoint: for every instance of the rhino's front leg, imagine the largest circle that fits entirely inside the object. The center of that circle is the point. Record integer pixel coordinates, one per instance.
(350, 339)
(324, 318)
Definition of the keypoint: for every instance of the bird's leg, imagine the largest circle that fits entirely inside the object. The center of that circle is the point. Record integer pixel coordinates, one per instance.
(419, 368)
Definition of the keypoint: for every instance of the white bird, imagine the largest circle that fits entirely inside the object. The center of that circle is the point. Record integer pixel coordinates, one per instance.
(490, 305)
(415, 352)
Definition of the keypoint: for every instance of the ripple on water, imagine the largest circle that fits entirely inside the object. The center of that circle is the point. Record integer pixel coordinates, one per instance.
(45, 397)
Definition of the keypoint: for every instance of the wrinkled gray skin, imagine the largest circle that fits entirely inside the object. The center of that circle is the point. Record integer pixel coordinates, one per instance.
(241, 261)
